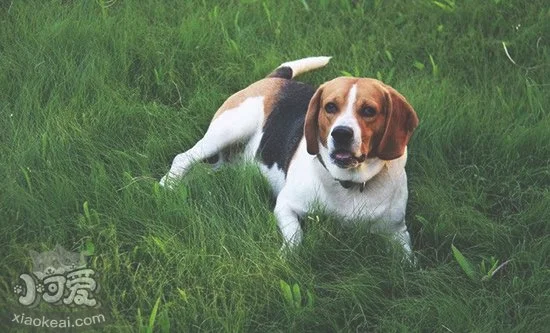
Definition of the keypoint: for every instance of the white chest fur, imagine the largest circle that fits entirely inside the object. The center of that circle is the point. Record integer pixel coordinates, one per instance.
(382, 202)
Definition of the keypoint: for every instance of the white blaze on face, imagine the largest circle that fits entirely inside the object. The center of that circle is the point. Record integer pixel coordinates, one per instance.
(348, 119)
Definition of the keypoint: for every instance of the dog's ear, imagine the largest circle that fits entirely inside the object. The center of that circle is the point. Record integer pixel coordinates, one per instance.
(401, 120)
(311, 126)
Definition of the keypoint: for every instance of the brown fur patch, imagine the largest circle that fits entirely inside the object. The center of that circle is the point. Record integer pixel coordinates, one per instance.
(370, 93)
(401, 121)
(268, 88)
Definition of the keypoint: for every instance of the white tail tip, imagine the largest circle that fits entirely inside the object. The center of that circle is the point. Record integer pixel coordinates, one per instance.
(306, 64)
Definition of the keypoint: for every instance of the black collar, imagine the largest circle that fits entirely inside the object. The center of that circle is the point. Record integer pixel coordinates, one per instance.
(344, 183)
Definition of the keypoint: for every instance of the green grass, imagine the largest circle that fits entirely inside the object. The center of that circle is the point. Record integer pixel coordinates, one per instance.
(97, 97)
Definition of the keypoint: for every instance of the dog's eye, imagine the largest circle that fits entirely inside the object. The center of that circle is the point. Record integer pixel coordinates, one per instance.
(368, 111)
(331, 108)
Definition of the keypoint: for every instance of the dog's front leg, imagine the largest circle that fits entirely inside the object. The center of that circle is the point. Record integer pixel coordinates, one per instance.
(287, 220)
(403, 238)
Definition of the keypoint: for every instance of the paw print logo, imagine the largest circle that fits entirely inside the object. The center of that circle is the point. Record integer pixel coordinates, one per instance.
(40, 288)
(18, 289)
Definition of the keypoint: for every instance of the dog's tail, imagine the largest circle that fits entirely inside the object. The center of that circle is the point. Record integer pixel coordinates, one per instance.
(291, 69)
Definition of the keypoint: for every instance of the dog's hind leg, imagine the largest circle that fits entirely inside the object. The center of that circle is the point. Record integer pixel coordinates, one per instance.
(229, 127)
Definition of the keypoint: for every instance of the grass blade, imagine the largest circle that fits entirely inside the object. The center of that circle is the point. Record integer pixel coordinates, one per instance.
(297, 296)
(464, 263)
(287, 293)
(153, 316)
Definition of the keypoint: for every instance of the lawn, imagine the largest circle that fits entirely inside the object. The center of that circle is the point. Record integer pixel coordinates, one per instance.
(97, 97)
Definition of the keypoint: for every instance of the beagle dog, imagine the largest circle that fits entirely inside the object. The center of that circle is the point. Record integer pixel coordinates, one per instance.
(343, 145)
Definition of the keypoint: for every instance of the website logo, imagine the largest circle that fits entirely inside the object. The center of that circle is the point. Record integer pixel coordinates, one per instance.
(63, 280)
(58, 277)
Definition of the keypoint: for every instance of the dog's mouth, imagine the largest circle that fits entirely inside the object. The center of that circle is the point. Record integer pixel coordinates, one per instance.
(346, 159)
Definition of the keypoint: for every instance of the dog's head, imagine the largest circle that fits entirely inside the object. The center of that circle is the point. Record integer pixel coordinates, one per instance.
(353, 120)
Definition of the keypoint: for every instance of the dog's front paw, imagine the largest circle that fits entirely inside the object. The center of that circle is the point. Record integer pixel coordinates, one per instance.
(409, 259)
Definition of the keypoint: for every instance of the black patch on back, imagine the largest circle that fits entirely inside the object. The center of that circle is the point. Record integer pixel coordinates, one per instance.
(284, 127)
(282, 72)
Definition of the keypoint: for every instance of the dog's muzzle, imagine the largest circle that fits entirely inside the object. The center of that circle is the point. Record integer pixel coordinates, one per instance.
(342, 154)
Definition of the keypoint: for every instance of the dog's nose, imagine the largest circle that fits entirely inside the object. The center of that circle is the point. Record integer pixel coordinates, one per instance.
(342, 134)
